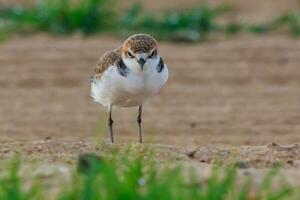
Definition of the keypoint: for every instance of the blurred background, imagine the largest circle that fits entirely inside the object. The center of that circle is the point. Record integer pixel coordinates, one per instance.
(234, 70)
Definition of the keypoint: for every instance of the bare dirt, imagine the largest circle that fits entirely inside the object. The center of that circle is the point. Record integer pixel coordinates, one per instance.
(242, 91)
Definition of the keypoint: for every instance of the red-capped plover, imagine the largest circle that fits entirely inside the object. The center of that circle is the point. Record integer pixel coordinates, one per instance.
(128, 76)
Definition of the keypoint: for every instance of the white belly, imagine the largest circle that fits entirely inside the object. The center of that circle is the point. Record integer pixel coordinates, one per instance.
(132, 90)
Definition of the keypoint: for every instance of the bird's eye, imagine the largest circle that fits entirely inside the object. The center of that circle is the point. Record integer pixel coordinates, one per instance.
(130, 55)
(153, 54)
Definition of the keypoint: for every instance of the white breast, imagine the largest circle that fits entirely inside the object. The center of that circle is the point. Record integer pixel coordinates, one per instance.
(132, 90)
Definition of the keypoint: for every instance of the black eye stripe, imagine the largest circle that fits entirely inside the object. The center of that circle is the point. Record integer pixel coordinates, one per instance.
(153, 54)
(130, 54)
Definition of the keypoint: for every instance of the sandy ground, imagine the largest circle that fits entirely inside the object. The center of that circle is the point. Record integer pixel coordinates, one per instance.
(243, 157)
(242, 91)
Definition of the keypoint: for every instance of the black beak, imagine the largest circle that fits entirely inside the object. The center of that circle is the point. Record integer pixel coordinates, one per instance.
(141, 62)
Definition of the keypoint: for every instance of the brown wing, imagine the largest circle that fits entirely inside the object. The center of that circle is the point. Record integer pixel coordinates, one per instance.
(109, 58)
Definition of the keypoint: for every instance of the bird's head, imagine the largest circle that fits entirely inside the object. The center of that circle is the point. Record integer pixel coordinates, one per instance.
(140, 52)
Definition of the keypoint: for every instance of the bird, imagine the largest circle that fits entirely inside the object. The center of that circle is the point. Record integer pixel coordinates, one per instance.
(129, 75)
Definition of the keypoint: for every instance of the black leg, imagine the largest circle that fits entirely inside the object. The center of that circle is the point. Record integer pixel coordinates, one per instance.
(110, 123)
(139, 121)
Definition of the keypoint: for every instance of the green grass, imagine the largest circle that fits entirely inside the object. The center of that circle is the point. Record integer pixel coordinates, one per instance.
(92, 16)
(139, 176)
(190, 24)
(291, 21)
(60, 16)
(96, 16)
